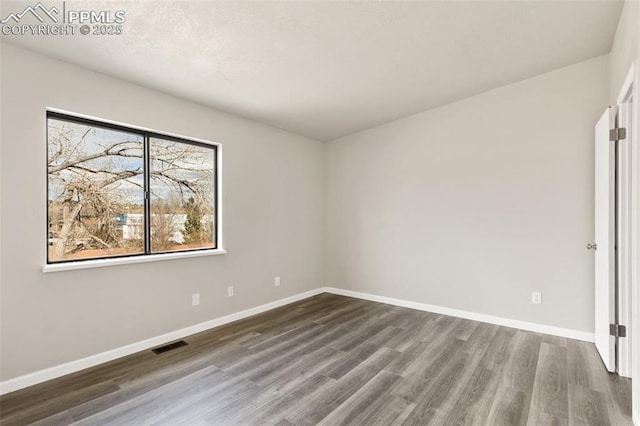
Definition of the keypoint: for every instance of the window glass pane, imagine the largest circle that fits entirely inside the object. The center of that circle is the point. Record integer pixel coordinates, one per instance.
(95, 191)
(182, 184)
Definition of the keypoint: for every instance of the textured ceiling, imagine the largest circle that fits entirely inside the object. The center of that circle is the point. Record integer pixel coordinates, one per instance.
(328, 69)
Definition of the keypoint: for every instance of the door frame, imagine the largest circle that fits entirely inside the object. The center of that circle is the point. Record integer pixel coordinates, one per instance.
(627, 259)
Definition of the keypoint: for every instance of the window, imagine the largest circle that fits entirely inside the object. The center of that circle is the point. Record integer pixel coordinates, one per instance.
(115, 191)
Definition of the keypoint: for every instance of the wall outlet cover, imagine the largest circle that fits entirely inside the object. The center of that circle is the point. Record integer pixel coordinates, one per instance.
(536, 298)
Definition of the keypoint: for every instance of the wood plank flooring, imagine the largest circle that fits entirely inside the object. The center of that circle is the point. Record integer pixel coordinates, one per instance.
(334, 360)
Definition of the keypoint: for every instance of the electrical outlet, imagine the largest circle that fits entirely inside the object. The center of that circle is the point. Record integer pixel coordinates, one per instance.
(195, 299)
(536, 298)
(277, 282)
(230, 291)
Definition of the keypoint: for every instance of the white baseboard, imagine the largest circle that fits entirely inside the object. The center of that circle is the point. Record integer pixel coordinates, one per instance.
(506, 322)
(93, 360)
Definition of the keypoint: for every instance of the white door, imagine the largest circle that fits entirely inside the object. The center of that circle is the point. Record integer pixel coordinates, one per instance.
(605, 297)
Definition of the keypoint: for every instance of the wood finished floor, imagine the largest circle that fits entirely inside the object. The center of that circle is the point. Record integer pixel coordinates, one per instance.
(336, 360)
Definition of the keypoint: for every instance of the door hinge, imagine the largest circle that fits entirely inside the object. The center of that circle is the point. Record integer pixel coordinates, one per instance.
(617, 134)
(617, 330)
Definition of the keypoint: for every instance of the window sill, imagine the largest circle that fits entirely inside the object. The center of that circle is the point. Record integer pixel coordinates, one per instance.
(98, 263)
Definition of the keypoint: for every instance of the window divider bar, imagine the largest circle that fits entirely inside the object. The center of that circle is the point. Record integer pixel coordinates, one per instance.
(147, 195)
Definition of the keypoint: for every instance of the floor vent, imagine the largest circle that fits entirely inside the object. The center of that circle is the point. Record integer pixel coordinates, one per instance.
(169, 347)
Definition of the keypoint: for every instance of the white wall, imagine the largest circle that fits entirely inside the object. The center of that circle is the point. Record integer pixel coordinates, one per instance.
(626, 50)
(273, 222)
(476, 204)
